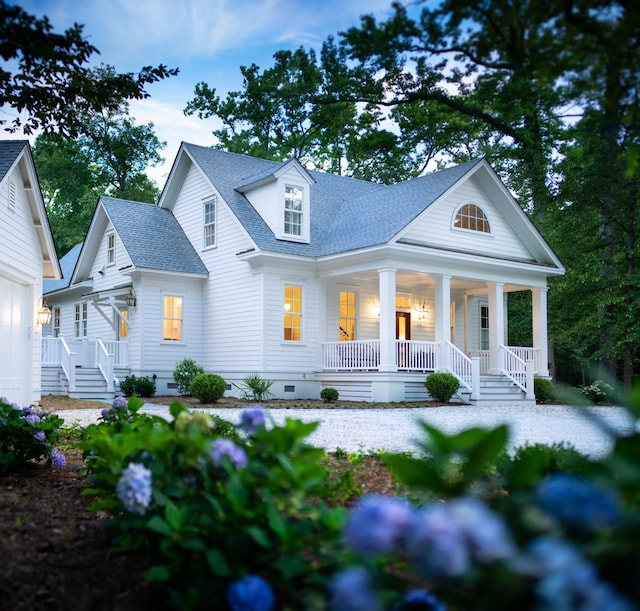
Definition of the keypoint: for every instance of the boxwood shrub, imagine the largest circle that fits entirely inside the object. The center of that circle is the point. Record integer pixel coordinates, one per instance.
(207, 387)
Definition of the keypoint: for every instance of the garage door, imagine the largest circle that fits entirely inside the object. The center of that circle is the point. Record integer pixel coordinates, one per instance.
(14, 372)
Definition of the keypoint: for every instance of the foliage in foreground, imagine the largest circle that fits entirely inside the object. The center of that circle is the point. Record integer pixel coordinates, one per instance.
(27, 434)
(235, 512)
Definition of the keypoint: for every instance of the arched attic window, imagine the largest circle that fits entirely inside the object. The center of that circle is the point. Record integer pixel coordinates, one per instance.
(470, 216)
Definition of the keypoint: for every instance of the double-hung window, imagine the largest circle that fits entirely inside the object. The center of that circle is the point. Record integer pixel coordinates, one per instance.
(293, 210)
(111, 249)
(81, 319)
(347, 319)
(56, 321)
(209, 236)
(484, 327)
(172, 320)
(292, 326)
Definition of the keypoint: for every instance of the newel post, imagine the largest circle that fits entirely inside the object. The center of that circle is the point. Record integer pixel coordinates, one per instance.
(475, 378)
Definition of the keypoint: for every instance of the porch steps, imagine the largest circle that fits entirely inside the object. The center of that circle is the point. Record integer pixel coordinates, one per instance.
(89, 383)
(497, 390)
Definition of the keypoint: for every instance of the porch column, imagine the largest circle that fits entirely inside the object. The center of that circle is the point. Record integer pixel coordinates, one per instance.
(387, 295)
(540, 337)
(496, 324)
(443, 317)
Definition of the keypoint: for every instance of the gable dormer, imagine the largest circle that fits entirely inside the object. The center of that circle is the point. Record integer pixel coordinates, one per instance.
(282, 197)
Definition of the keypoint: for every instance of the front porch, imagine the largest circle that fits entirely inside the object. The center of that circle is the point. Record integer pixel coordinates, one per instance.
(517, 367)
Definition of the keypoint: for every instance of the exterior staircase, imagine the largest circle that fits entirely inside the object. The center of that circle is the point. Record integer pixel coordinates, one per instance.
(90, 384)
(497, 390)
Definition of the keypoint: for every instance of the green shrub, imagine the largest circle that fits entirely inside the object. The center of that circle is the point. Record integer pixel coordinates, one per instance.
(207, 387)
(600, 392)
(442, 386)
(329, 395)
(183, 374)
(255, 388)
(543, 390)
(133, 386)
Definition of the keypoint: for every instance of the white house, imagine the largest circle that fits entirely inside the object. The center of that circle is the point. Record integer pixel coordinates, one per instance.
(27, 255)
(308, 279)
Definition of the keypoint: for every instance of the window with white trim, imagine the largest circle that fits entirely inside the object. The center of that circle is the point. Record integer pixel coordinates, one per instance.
(484, 327)
(471, 217)
(56, 321)
(81, 318)
(123, 327)
(347, 320)
(172, 319)
(292, 325)
(209, 214)
(111, 249)
(293, 208)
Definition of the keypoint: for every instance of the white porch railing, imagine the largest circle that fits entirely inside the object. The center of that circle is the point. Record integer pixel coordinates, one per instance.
(415, 355)
(485, 359)
(350, 356)
(85, 352)
(520, 372)
(56, 353)
(526, 354)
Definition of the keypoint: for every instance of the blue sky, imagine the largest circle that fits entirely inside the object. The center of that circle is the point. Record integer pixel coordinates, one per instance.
(207, 39)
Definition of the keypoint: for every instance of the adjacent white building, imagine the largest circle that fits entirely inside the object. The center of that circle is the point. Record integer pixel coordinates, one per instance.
(27, 255)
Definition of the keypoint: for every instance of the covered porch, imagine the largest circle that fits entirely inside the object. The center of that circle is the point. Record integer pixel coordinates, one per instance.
(397, 321)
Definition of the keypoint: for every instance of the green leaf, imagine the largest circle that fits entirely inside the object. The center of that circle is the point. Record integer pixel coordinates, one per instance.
(217, 563)
(158, 574)
(259, 536)
(276, 522)
(157, 524)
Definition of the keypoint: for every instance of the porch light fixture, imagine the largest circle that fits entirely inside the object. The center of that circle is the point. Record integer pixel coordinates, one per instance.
(423, 313)
(131, 298)
(44, 313)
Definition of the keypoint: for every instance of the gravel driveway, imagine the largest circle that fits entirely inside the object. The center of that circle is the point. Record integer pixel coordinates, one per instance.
(397, 430)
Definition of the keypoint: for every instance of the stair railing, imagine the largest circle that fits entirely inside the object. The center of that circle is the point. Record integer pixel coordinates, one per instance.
(68, 364)
(104, 361)
(467, 370)
(520, 372)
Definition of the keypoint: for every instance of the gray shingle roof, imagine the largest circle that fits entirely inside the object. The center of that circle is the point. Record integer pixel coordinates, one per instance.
(345, 213)
(153, 237)
(67, 265)
(9, 150)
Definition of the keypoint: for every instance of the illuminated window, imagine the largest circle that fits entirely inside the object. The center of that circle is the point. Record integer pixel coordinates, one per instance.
(124, 325)
(81, 320)
(172, 322)
(473, 218)
(292, 210)
(292, 313)
(210, 223)
(347, 320)
(111, 249)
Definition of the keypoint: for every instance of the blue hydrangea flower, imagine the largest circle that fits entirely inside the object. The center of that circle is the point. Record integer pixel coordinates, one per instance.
(119, 403)
(251, 418)
(39, 436)
(436, 544)
(58, 458)
(577, 501)
(33, 418)
(134, 488)
(566, 581)
(351, 590)
(445, 539)
(224, 447)
(419, 600)
(105, 413)
(251, 593)
(377, 524)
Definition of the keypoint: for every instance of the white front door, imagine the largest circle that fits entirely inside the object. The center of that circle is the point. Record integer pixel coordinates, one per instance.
(15, 375)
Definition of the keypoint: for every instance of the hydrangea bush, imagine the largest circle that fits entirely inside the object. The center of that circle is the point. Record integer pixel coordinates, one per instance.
(228, 511)
(234, 512)
(27, 434)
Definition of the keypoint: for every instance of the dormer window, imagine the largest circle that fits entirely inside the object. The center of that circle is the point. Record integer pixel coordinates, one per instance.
(471, 217)
(293, 210)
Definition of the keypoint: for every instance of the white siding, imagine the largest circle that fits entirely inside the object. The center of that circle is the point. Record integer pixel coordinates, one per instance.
(435, 226)
(21, 276)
